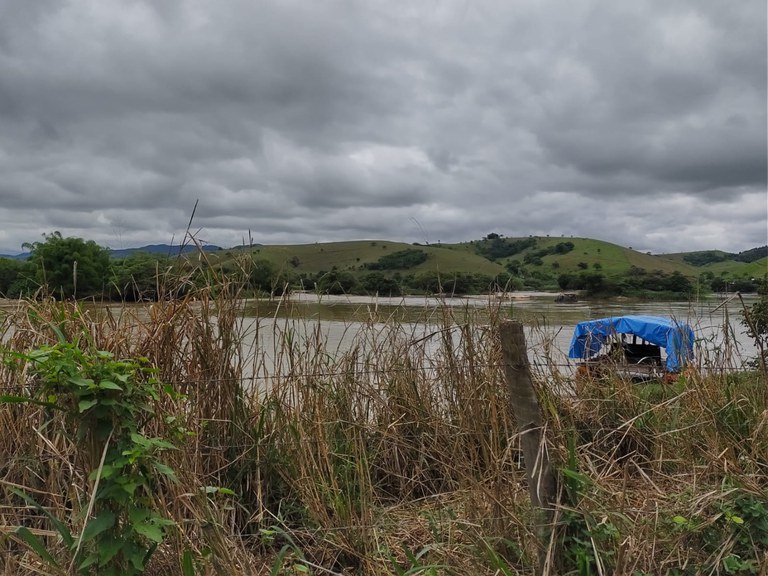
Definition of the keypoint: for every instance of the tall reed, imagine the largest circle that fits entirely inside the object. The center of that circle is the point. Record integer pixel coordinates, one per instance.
(396, 454)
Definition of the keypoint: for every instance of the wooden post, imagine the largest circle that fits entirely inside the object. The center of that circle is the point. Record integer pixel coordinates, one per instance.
(542, 483)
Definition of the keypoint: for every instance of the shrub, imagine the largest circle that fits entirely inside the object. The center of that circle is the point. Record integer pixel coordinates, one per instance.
(379, 283)
(105, 403)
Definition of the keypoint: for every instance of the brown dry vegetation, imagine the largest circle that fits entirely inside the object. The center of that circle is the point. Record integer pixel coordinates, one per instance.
(398, 456)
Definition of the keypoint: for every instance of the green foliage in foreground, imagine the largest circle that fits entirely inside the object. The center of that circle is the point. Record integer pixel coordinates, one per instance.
(720, 529)
(106, 404)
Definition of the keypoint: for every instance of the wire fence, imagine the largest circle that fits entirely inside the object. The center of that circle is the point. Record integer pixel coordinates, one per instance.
(540, 370)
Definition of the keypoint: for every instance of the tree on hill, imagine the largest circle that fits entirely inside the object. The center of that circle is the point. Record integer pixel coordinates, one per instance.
(514, 267)
(495, 248)
(752, 255)
(401, 260)
(262, 275)
(69, 267)
(705, 257)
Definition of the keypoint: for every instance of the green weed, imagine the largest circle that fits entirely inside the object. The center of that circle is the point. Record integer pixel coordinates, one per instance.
(106, 404)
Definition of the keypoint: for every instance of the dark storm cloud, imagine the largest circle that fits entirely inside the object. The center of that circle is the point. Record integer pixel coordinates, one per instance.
(304, 121)
(680, 97)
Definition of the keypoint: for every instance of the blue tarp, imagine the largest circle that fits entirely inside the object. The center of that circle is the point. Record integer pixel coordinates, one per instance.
(675, 337)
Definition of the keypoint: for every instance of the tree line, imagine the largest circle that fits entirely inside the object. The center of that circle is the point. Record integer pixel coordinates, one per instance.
(69, 267)
(72, 267)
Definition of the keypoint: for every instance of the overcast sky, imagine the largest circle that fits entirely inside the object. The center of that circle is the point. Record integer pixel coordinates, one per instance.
(638, 122)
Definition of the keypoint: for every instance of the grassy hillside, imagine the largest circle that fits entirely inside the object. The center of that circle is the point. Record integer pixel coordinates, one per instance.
(384, 267)
(681, 256)
(532, 262)
(728, 266)
(463, 257)
(739, 269)
(746, 264)
(611, 258)
(353, 256)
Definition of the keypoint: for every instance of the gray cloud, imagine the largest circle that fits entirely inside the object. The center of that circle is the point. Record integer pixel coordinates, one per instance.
(305, 122)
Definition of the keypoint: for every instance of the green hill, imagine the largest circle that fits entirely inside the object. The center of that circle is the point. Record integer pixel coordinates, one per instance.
(710, 258)
(743, 269)
(385, 267)
(578, 253)
(354, 255)
(541, 263)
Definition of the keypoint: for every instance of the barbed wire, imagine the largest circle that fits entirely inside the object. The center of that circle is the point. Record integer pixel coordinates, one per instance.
(539, 369)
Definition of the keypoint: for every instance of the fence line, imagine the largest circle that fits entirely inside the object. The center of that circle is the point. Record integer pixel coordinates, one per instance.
(538, 368)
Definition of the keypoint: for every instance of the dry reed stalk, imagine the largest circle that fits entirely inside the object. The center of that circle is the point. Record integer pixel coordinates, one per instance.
(400, 441)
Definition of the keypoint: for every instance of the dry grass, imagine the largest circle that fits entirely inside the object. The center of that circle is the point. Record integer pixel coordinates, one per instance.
(397, 455)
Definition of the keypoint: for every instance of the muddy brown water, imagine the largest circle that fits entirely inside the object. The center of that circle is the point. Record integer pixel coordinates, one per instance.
(339, 320)
(340, 323)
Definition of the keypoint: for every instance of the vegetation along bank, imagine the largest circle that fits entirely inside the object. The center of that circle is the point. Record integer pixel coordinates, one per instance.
(76, 267)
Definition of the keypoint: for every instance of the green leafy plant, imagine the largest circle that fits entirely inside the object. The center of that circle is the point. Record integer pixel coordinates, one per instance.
(588, 545)
(106, 404)
(744, 521)
(734, 533)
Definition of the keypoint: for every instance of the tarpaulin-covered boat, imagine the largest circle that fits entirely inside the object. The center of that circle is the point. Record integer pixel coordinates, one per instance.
(633, 343)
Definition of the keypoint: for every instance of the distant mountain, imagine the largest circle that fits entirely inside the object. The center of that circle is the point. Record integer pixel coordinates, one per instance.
(162, 249)
(22, 256)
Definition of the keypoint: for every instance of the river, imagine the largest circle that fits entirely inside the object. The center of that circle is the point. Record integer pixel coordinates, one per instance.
(721, 340)
(339, 323)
